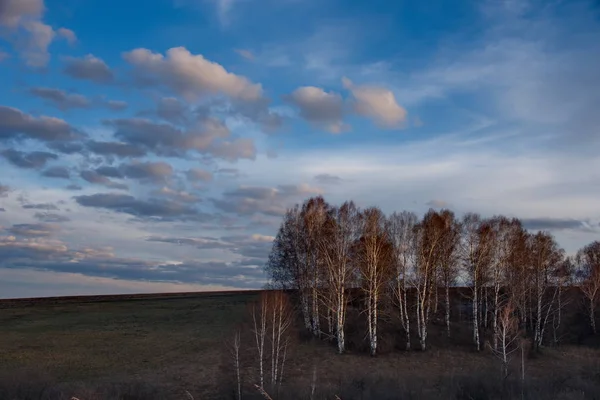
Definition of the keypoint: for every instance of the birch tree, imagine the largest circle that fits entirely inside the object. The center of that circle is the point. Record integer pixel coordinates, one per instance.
(503, 238)
(518, 286)
(402, 234)
(448, 258)
(313, 215)
(287, 263)
(428, 238)
(588, 263)
(477, 250)
(545, 256)
(563, 278)
(259, 329)
(235, 352)
(339, 233)
(374, 252)
(506, 332)
(280, 319)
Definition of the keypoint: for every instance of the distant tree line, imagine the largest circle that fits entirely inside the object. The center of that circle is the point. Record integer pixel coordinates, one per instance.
(514, 279)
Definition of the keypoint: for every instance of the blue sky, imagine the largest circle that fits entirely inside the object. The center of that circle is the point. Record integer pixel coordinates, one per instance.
(153, 147)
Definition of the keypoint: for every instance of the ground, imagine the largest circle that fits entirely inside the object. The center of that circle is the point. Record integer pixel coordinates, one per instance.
(170, 344)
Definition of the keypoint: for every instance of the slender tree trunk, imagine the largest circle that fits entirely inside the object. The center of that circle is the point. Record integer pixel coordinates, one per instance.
(495, 320)
(236, 355)
(374, 345)
(283, 361)
(341, 312)
(435, 305)
(315, 312)
(548, 311)
(538, 322)
(406, 321)
(593, 315)
(260, 333)
(306, 312)
(485, 314)
(556, 317)
(476, 318)
(421, 321)
(447, 309)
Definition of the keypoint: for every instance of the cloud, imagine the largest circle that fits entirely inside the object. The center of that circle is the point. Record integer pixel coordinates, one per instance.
(33, 230)
(233, 150)
(57, 172)
(4, 190)
(190, 76)
(196, 174)
(33, 46)
(147, 171)
(66, 147)
(229, 171)
(172, 109)
(163, 209)
(437, 203)
(254, 247)
(67, 34)
(224, 8)
(376, 103)
(161, 138)
(250, 200)
(88, 68)
(60, 98)
(17, 125)
(32, 160)
(246, 54)
(167, 140)
(23, 27)
(118, 149)
(198, 242)
(40, 206)
(554, 224)
(177, 195)
(50, 217)
(27, 282)
(320, 108)
(110, 171)
(73, 187)
(328, 179)
(13, 12)
(44, 255)
(94, 177)
(116, 105)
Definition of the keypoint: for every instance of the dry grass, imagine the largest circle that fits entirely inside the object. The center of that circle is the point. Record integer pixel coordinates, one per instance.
(174, 349)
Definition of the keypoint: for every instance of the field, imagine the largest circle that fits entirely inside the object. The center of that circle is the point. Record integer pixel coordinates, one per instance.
(159, 347)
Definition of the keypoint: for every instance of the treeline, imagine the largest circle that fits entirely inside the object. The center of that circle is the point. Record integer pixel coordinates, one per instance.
(515, 279)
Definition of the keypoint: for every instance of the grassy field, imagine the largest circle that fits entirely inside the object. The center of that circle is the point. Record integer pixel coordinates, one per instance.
(167, 341)
(160, 347)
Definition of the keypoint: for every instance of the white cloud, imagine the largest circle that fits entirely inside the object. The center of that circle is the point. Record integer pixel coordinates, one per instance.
(191, 76)
(67, 34)
(89, 68)
(247, 54)
(22, 20)
(320, 108)
(468, 175)
(13, 12)
(377, 103)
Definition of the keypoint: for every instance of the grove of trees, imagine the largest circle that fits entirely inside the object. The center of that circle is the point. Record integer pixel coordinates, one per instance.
(513, 280)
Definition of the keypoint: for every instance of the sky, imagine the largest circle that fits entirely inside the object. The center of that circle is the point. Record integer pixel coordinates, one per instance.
(154, 147)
